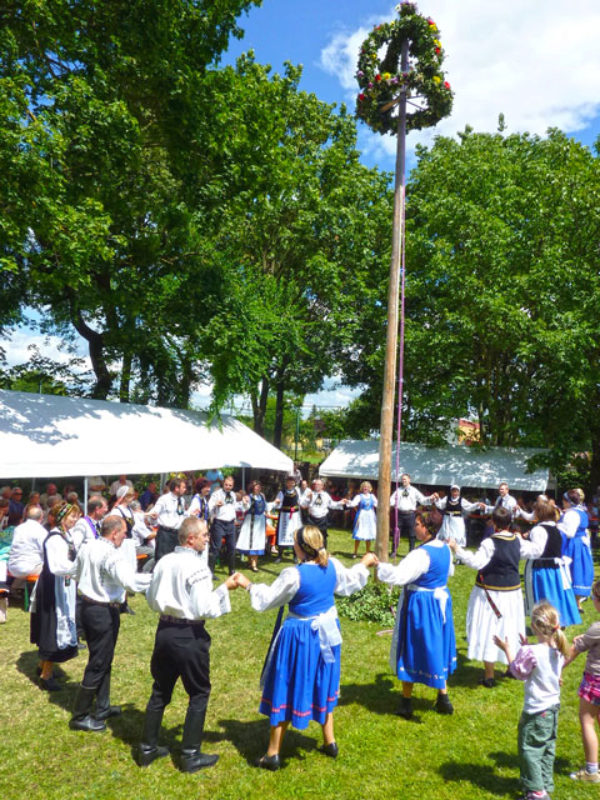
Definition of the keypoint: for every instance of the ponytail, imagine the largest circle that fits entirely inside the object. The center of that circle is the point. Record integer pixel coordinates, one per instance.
(546, 621)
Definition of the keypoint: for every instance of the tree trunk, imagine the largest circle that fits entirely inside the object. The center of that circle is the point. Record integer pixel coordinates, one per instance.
(259, 407)
(95, 341)
(125, 378)
(278, 427)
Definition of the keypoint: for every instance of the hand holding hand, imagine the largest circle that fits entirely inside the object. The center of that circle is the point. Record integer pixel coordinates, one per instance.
(231, 583)
(452, 545)
(369, 560)
(241, 580)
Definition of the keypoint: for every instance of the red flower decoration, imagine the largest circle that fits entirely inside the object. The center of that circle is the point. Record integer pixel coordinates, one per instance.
(361, 97)
(377, 78)
(446, 85)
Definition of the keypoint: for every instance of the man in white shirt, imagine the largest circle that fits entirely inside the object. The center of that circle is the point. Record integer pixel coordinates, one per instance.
(87, 528)
(222, 507)
(317, 502)
(103, 577)
(169, 512)
(182, 592)
(504, 500)
(407, 498)
(26, 555)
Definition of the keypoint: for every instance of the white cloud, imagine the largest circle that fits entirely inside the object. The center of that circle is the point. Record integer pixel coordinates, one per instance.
(537, 62)
(18, 342)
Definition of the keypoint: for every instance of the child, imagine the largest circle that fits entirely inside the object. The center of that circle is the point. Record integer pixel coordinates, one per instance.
(589, 693)
(539, 666)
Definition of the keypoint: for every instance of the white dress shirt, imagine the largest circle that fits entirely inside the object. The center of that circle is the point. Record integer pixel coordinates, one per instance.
(508, 502)
(167, 510)
(412, 566)
(227, 511)
(27, 550)
(83, 531)
(409, 498)
(319, 503)
(182, 587)
(104, 575)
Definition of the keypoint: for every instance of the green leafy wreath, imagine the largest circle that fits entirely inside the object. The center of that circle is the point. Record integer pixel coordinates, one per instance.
(380, 81)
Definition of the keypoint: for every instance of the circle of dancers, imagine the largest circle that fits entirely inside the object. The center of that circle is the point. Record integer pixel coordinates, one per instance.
(88, 564)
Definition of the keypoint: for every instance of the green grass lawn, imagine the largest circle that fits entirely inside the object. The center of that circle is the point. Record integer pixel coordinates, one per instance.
(469, 755)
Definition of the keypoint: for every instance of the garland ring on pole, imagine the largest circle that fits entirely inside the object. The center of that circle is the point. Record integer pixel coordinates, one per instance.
(381, 81)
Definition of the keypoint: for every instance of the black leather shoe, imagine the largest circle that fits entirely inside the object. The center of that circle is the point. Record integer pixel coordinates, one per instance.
(111, 711)
(269, 762)
(50, 684)
(89, 724)
(405, 708)
(147, 753)
(443, 704)
(194, 760)
(330, 749)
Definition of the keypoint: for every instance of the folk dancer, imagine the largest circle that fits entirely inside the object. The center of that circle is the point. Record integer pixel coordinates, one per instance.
(103, 577)
(287, 503)
(182, 593)
(251, 540)
(406, 498)
(318, 503)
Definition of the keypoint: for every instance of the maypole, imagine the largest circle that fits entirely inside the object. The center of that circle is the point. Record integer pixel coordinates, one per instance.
(408, 74)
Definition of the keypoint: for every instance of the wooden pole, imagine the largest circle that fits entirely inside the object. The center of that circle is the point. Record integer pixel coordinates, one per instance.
(391, 348)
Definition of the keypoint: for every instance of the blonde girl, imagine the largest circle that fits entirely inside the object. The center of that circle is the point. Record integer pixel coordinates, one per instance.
(539, 666)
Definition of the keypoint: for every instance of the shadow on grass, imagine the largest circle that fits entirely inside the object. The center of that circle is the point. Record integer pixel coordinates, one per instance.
(483, 775)
(562, 766)
(250, 739)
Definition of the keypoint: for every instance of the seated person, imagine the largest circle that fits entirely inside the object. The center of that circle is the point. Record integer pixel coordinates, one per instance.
(27, 549)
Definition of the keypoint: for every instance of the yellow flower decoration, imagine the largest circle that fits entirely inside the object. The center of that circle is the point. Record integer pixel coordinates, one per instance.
(386, 76)
(437, 79)
(437, 43)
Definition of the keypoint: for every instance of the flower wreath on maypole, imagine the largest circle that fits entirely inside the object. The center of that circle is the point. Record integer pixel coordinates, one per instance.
(380, 81)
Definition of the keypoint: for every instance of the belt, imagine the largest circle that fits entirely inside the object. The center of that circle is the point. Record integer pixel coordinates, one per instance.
(180, 620)
(169, 530)
(404, 512)
(91, 602)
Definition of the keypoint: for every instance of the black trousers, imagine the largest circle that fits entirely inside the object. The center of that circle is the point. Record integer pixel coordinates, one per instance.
(322, 523)
(167, 540)
(181, 650)
(406, 526)
(218, 531)
(101, 626)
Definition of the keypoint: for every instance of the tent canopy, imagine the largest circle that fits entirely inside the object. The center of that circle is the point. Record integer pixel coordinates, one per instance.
(50, 436)
(439, 466)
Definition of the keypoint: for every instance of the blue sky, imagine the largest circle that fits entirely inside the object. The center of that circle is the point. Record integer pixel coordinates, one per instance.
(536, 61)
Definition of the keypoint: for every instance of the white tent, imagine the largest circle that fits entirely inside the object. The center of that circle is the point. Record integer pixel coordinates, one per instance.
(440, 466)
(49, 436)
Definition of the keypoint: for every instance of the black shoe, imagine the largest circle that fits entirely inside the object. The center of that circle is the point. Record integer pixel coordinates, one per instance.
(508, 674)
(443, 704)
(89, 724)
(50, 684)
(277, 560)
(489, 683)
(81, 646)
(405, 708)
(147, 753)
(106, 713)
(194, 760)
(330, 749)
(126, 609)
(269, 762)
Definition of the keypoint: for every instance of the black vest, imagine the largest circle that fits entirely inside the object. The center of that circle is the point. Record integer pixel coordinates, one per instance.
(502, 572)
(289, 500)
(552, 550)
(453, 509)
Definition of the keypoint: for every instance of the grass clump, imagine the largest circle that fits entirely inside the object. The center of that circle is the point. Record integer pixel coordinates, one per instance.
(377, 602)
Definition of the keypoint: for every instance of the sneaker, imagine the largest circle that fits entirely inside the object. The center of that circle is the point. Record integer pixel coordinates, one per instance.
(584, 775)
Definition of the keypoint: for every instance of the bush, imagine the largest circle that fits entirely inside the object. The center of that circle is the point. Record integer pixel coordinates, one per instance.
(377, 602)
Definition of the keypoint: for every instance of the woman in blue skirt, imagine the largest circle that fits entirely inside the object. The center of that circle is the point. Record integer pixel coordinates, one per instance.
(576, 544)
(546, 574)
(423, 647)
(302, 670)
